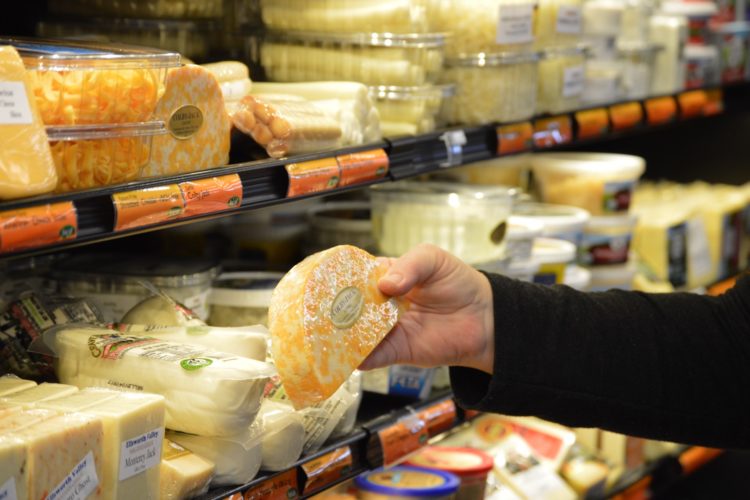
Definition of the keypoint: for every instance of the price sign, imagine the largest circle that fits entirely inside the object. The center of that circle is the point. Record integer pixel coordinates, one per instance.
(36, 227)
(515, 138)
(327, 469)
(363, 166)
(660, 110)
(282, 486)
(402, 438)
(553, 131)
(145, 207)
(312, 176)
(207, 196)
(692, 103)
(439, 417)
(626, 115)
(592, 123)
(714, 102)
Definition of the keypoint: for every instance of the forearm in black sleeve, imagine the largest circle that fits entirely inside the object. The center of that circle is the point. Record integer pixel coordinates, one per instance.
(673, 367)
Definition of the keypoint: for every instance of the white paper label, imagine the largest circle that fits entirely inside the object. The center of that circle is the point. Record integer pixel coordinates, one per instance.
(14, 104)
(698, 253)
(574, 79)
(8, 490)
(514, 24)
(569, 20)
(79, 484)
(140, 453)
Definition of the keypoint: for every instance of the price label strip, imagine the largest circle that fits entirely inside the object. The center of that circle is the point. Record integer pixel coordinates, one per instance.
(282, 486)
(692, 103)
(626, 115)
(327, 469)
(312, 176)
(660, 110)
(402, 438)
(592, 123)
(208, 196)
(439, 417)
(553, 131)
(36, 227)
(714, 102)
(363, 166)
(515, 138)
(146, 207)
(454, 141)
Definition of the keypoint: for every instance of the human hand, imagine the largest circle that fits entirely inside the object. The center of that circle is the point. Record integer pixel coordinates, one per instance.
(450, 320)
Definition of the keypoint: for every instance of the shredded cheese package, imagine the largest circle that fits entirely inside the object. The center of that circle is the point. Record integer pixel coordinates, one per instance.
(326, 316)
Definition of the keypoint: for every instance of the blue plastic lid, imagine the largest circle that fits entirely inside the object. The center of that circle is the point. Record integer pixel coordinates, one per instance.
(409, 482)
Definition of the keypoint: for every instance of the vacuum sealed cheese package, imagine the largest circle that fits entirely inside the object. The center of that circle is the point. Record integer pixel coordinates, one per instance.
(207, 392)
(183, 474)
(326, 316)
(283, 434)
(161, 309)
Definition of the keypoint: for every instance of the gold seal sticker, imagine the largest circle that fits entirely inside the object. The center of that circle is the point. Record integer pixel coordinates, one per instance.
(185, 122)
(347, 307)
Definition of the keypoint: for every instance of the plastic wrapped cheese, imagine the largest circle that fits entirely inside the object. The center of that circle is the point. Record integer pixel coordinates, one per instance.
(161, 310)
(207, 392)
(43, 392)
(326, 316)
(13, 470)
(183, 474)
(283, 434)
(10, 384)
(354, 387)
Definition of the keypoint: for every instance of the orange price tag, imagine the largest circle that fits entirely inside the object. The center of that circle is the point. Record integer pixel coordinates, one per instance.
(402, 438)
(282, 486)
(207, 196)
(312, 176)
(514, 138)
(552, 131)
(714, 102)
(144, 207)
(439, 417)
(692, 103)
(626, 115)
(37, 226)
(362, 166)
(327, 469)
(592, 123)
(470, 414)
(660, 110)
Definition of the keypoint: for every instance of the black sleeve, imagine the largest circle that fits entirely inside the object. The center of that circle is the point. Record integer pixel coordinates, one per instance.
(673, 367)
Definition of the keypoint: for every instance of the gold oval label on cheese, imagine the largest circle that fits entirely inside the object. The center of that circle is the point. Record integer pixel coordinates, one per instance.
(185, 122)
(347, 307)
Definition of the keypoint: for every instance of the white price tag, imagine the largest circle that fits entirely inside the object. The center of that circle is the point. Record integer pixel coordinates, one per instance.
(569, 20)
(454, 141)
(574, 80)
(14, 104)
(140, 453)
(514, 24)
(79, 484)
(8, 490)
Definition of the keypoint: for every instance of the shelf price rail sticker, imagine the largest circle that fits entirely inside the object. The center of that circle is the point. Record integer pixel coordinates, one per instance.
(660, 110)
(553, 131)
(692, 103)
(515, 138)
(283, 486)
(327, 470)
(626, 115)
(592, 123)
(325, 174)
(36, 227)
(401, 438)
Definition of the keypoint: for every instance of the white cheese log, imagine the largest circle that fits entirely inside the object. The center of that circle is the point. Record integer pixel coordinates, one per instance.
(14, 474)
(183, 474)
(283, 434)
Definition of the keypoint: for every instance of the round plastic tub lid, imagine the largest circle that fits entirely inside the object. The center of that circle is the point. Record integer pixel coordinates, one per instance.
(553, 251)
(524, 229)
(493, 60)
(345, 216)
(408, 481)
(554, 218)
(405, 40)
(577, 277)
(593, 164)
(418, 93)
(627, 222)
(463, 462)
(443, 193)
(244, 289)
(690, 9)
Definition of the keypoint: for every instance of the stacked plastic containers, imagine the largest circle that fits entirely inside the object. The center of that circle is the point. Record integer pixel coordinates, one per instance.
(385, 45)
(97, 102)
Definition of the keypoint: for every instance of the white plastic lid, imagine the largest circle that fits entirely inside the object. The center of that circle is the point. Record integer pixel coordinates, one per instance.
(555, 219)
(577, 277)
(690, 9)
(553, 251)
(593, 164)
(524, 269)
(605, 277)
(627, 222)
(524, 230)
(705, 52)
(244, 289)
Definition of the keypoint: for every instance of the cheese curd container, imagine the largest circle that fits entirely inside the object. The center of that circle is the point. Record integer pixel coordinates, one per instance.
(89, 156)
(340, 223)
(558, 221)
(698, 14)
(553, 256)
(77, 83)
(241, 298)
(470, 466)
(411, 59)
(603, 83)
(637, 62)
(670, 32)
(410, 110)
(497, 87)
(702, 66)
(468, 221)
(600, 183)
(732, 41)
(172, 9)
(562, 76)
(406, 483)
(606, 240)
(558, 22)
(612, 277)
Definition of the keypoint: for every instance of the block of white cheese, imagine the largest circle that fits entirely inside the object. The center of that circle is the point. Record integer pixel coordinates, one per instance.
(13, 471)
(283, 434)
(237, 458)
(42, 392)
(19, 420)
(183, 474)
(79, 401)
(207, 392)
(9, 408)
(326, 316)
(161, 309)
(10, 384)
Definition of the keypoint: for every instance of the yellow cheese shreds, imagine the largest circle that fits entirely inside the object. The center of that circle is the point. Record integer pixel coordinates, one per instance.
(326, 315)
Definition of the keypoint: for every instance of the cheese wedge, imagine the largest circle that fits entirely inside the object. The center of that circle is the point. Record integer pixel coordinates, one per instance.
(10, 384)
(42, 392)
(183, 474)
(13, 471)
(326, 316)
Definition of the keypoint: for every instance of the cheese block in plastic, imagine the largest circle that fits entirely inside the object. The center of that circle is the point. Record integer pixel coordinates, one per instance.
(20, 420)
(79, 401)
(43, 392)
(9, 408)
(326, 315)
(161, 309)
(183, 474)
(283, 434)
(10, 384)
(199, 127)
(13, 470)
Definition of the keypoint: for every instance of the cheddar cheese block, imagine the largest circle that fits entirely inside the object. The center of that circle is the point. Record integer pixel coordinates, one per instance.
(198, 124)
(326, 316)
(183, 474)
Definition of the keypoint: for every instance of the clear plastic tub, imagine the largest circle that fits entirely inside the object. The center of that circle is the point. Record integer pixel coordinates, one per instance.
(600, 183)
(503, 171)
(562, 76)
(558, 23)
(553, 256)
(612, 277)
(603, 83)
(698, 14)
(411, 110)
(371, 58)
(606, 240)
(702, 66)
(670, 32)
(406, 483)
(77, 83)
(732, 40)
(558, 221)
(471, 466)
(340, 223)
(89, 156)
(602, 17)
(634, 26)
(468, 221)
(492, 87)
(174, 9)
(637, 62)
(519, 239)
(241, 298)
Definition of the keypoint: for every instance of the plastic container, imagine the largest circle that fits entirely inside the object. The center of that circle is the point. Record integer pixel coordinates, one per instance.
(702, 66)
(558, 221)
(637, 62)
(502, 171)
(603, 83)
(370, 58)
(602, 17)
(77, 83)
(468, 221)
(606, 240)
(732, 41)
(173, 9)
(406, 483)
(577, 277)
(601, 183)
(341, 223)
(411, 110)
(519, 239)
(562, 76)
(241, 298)
(471, 467)
(558, 23)
(601, 47)
(492, 87)
(522, 271)
(634, 25)
(698, 15)
(671, 33)
(89, 156)
(608, 277)
(553, 256)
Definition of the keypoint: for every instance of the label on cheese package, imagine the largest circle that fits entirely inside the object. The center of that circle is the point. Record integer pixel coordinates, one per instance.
(14, 106)
(569, 19)
(145, 207)
(515, 23)
(79, 484)
(212, 195)
(140, 453)
(8, 490)
(34, 227)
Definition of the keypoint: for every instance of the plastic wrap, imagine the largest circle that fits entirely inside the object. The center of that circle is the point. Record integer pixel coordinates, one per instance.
(283, 433)
(162, 310)
(558, 22)
(183, 474)
(561, 80)
(346, 424)
(602, 17)
(326, 316)
(207, 392)
(242, 298)
(286, 127)
(417, 107)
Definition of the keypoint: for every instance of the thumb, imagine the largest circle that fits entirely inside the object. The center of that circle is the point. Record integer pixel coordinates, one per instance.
(415, 267)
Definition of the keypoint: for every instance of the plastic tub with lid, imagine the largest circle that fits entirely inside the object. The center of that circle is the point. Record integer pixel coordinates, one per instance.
(492, 87)
(502, 171)
(577, 277)
(562, 75)
(606, 240)
(77, 83)
(241, 298)
(523, 270)
(558, 221)
(471, 466)
(169, 9)
(519, 239)
(634, 26)
(411, 110)
(340, 223)
(637, 62)
(553, 256)
(601, 183)
(698, 14)
(702, 66)
(603, 83)
(558, 23)
(732, 41)
(602, 17)
(612, 277)
(411, 59)
(670, 32)
(406, 483)
(468, 221)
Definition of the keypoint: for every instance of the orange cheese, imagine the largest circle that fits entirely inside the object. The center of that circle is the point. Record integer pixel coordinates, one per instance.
(326, 315)
(199, 127)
